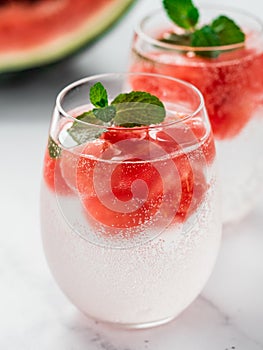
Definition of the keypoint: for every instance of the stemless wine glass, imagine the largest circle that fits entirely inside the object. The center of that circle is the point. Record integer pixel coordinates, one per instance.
(130, 221)
(232, 86)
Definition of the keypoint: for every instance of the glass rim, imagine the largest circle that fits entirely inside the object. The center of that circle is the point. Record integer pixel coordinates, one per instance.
(141, 33)
(87, 79)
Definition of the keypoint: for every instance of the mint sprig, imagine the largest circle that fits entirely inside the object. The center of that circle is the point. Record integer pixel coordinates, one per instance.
(136, 108)
(221, 31)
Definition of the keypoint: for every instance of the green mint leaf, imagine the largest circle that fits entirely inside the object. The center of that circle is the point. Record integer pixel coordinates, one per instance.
(138, 108)
(206, 37)
(182, 12)
(98, 95)
(228, 31)
(53, 148)
(81, 132)
(105, 114)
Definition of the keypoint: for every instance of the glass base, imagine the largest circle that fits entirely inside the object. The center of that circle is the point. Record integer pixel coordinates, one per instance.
(144, 325)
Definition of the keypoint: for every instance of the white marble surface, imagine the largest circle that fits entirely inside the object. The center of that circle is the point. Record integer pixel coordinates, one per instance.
(33, 312)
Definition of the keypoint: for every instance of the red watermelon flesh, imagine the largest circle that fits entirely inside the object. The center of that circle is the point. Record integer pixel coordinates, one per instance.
(33, 33)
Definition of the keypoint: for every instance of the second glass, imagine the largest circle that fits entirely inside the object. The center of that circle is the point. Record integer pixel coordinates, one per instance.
(232, 86)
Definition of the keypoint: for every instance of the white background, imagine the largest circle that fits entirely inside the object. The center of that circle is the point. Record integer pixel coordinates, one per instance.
(33, 312)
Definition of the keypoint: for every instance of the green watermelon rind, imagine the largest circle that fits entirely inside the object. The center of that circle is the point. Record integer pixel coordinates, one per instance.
(66, 45)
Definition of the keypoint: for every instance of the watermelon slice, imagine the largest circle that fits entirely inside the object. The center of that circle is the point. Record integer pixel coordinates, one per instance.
(38, 32)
